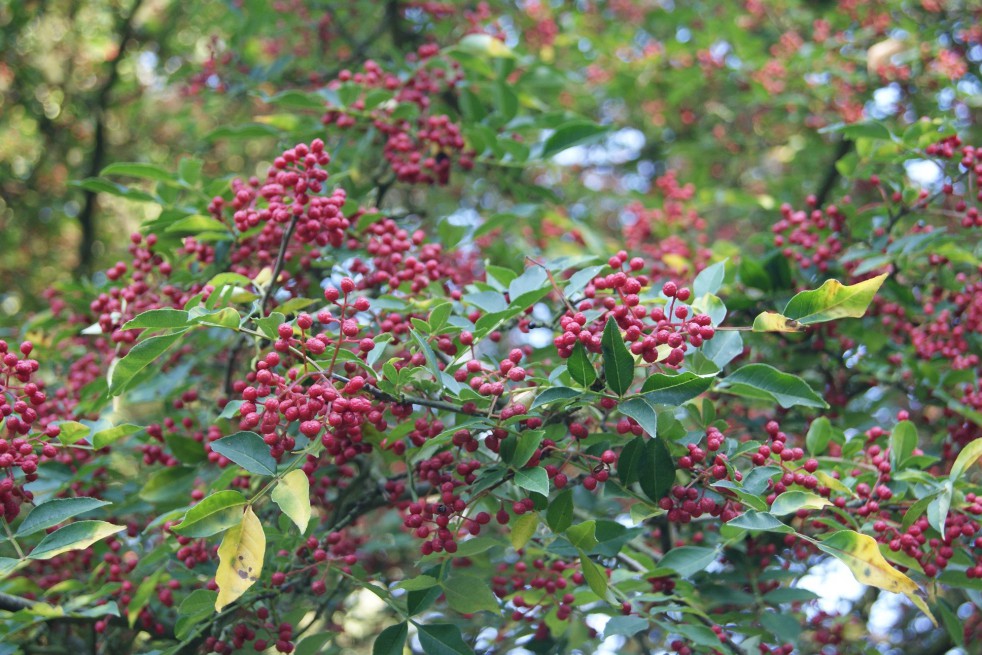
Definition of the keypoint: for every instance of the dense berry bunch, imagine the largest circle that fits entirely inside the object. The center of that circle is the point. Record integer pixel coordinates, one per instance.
(659, 335)
(420, 149)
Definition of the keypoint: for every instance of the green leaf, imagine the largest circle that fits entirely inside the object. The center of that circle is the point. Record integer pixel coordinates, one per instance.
(418, 583)
(626, 626)
(142, 596)
(759, 522)
(791, 501)
(664, 389)
(72, 432)
(522, 529)
(534, 479)
(168, 485)
(243, 131)
(186, 449)
(442, 639)
(833, 300)
(212, 515)
(74, 536)
(139, 357)
(583, 535)
(656, 470)
(618, 362)
(158, 319)
(765, 382)
(528, 441)
(139, 170)
(629, 461)
(103, 438)
(580, 279)
(903, 440)
(195, 608)
(53, 512)
(580, 367)
(468, 594)
(189, 170)
(559, 516)
(554, 394)
(937, 509)
(967, 457)
(595, 578)
(819, 435)
(640, 409)
(529, 287)
(292, 494)
(248, 450)
(392, 640)
(572, 134)
(688, 560)
(196, 224)
(710, 279)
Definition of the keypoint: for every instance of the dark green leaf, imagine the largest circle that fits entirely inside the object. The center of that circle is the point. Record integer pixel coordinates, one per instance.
(392, 640)
(629, 461)
(688, 560)
(139, 357)
(248, 450)
(468, 594)
(618, 362)
(640, 409)
(765, 382)
(663, 389)
(442, 639)
(580, 367)
(559, 516)
(572, 134)
(554, 394)
(50, 513)
(535, 480)
(656, 470)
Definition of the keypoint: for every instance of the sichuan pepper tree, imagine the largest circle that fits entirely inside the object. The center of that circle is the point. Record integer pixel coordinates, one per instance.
(431, 379)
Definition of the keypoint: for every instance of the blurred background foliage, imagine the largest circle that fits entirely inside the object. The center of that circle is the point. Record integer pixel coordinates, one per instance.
(727, 95)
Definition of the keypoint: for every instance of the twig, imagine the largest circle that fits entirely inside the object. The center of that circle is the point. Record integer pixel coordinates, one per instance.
(86, 217)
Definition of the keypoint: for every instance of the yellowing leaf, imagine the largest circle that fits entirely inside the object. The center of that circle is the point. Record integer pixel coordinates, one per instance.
(827, 480)
(860, 553)
(833, 300)
(522, 529)
(774, 322)
(678, 263)
(240, 559)
(967, 457)
(292, 494)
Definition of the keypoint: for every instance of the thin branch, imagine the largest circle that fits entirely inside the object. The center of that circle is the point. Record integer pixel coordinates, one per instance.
(86, 217)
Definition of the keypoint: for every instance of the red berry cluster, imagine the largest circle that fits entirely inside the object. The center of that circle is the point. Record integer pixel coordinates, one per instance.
(420, 149)
(21, 399)
(660, 335)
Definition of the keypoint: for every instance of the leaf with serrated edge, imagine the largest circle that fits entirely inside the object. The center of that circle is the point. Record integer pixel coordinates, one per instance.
(292, 494)
(240, 559)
